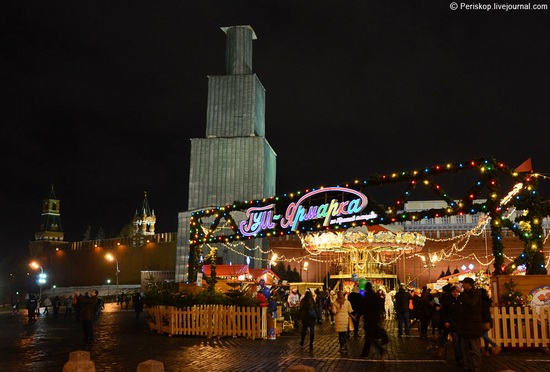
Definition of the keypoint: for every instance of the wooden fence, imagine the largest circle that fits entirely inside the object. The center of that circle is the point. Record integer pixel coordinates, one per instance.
(209, 321)
(521, 327)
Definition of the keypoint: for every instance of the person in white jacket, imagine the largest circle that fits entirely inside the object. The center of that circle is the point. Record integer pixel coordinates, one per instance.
(342, 309)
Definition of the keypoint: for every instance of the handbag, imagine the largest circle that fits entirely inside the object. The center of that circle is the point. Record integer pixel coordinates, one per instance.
(351, 327)
(312, 313)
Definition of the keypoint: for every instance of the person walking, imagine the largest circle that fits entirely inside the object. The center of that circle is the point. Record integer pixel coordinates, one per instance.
(88, 305)
(127, 301)
(389, 304)
(15, 308)
(99, 306)
(68, 308)
(356, 301)
(331, 298)
(56, 304)
(293, 302)
(319, 301)
(32, 304)
(402, 299)
(308, 317)
(425, 311)
(47, 304)
(373, 309)
(138, 303)
(490, 345)
(342, 309)
(451, 312)
(470, 326)
(76, 306)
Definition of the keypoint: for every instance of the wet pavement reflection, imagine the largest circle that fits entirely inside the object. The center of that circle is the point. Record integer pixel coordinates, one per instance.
(122, 342)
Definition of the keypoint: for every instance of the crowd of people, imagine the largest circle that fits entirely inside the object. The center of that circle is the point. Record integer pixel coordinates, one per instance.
(459, 314)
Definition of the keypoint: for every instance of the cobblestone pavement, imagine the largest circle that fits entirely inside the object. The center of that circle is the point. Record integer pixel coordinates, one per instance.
(122, 342)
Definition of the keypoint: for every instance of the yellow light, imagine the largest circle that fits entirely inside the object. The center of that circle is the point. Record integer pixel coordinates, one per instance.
(426, 182)
(482, 169)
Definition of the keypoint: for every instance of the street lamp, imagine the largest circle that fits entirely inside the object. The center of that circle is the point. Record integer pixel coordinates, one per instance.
(273, 261)
(428, 265)
(41, 277)
(108, 286)
(112, 258)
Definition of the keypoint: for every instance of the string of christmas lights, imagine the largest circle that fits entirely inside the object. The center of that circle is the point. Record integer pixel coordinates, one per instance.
(527, 227)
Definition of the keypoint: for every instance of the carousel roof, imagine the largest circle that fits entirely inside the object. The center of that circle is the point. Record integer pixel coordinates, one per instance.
(382, 238)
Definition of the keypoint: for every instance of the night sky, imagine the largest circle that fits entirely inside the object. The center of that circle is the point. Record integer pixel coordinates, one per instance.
(101, 98)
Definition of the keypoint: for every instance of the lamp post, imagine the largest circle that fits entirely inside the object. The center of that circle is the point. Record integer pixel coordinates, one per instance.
(429, 263)
(108, 286)
(112, 258)
(41, 277)
(273, 261)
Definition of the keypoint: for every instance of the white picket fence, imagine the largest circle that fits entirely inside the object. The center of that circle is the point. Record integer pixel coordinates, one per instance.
(209, 321)
(521, 327)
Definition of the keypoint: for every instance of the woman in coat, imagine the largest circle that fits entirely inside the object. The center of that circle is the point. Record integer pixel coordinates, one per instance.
(308, 317)
(342, 309)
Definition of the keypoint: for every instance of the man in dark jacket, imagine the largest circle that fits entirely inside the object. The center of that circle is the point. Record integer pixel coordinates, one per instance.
(356, 301)
(470, 326)
(451, 312)
(402, 298)
(87, 311)
(56, 303)
(373, 307)
(32, 304)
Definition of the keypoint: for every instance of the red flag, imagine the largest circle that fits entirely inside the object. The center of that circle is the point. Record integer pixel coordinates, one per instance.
(526, 166)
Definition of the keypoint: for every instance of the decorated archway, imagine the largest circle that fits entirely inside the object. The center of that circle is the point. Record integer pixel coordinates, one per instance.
(338, 208)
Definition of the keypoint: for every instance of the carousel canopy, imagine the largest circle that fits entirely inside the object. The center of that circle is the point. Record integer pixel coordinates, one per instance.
(380, 238)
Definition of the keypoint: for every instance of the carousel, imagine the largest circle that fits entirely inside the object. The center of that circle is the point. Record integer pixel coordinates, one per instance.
(363, 252)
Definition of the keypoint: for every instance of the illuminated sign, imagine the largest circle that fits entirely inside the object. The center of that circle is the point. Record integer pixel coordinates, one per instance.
(346, 208)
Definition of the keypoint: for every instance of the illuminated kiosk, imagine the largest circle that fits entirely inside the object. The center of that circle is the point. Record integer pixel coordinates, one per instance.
(370, 252)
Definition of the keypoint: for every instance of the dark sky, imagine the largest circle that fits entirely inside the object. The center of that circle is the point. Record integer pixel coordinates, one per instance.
(101, 98)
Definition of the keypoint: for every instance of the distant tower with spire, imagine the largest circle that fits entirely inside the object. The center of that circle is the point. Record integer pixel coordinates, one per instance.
(144, 221)
(50, 226)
